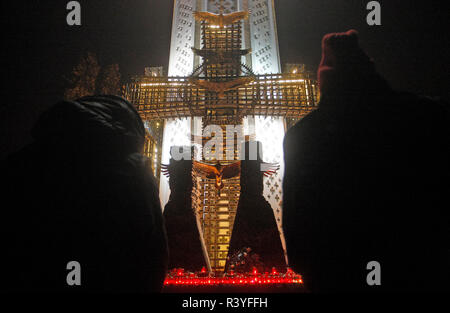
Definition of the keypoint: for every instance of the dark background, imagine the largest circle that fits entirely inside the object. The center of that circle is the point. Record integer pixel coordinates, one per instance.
(39, 48)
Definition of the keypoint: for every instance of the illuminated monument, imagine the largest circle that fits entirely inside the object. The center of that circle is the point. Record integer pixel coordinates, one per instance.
(224, 71)
(259, 34)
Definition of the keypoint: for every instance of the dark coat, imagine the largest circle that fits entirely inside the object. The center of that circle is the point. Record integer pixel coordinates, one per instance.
(366, 179)
(255, 226)
(83, 192)
(185, 246)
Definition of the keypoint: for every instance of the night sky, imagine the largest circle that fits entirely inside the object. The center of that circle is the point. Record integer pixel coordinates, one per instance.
(410, 48)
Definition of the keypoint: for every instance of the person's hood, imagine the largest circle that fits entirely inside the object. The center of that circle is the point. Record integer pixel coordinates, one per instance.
(345, 69)
(100, 124)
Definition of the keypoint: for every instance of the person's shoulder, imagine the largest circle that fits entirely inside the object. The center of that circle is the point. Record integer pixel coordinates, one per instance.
(422, 102)
(301, 133)
(21, 161)
(430, 110)
(308, 121)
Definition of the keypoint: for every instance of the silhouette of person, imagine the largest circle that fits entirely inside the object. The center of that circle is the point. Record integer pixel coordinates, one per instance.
(365, 180)
(255, 226)
(185, 247)
(82, 191)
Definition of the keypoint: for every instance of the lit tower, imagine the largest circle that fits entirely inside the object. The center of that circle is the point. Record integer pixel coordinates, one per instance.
(221, 74)
(223, 70)
(258, 34)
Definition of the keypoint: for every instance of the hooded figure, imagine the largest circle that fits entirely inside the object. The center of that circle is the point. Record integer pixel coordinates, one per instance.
(255, 226)
(365, 181)
(82, 191)
(185, 243)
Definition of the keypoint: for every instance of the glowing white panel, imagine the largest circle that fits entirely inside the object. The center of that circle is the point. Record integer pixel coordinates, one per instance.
(270, 132)
(264, 38)
(176, 133)
(181, 62)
